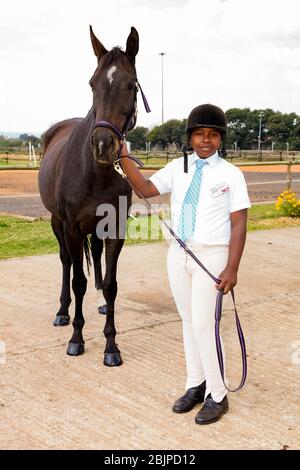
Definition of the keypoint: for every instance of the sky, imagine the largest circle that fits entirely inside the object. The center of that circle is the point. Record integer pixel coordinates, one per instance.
(232, 53)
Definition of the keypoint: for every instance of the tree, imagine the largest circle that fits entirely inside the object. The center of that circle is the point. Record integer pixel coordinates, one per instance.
(138, 138)
(174, 132)
(240, 128)
(282, 128)
(6, 142)
(243, 128)
(29, 138)
(171, 132)
(157, 137)
(295, 135)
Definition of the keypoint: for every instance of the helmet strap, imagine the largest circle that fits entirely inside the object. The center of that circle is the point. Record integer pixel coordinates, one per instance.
(185, 161)
(185, 158)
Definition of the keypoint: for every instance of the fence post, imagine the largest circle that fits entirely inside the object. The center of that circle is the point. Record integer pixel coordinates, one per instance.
(33, 154)
(30, 152)
(289, 175)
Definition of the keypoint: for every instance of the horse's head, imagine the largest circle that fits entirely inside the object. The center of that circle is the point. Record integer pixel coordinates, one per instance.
(114, 86)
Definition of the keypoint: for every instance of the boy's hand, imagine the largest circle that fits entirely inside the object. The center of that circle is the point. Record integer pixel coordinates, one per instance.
(228, 280)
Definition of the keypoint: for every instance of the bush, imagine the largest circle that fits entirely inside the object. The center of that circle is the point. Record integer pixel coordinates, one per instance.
(288, 205)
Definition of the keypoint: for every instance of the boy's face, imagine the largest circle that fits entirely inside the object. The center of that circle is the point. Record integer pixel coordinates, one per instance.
(205, 141)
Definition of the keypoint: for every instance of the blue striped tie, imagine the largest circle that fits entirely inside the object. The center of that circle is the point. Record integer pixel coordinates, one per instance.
(187, 218)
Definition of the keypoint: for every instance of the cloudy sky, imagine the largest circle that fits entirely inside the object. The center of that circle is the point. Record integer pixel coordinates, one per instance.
(233, 53)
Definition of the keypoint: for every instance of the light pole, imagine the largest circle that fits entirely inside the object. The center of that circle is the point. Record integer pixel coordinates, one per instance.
(261, 114)
(162, 85)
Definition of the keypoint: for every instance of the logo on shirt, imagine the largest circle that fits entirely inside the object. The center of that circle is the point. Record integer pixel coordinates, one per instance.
(219, 189)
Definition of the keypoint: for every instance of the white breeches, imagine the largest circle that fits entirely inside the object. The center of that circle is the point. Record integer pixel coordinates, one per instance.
(195, 294)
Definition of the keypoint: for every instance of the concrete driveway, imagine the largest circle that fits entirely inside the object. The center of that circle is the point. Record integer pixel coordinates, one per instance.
(51, 401)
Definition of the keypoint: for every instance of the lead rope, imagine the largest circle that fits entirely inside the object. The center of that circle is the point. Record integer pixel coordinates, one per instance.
(219, 300)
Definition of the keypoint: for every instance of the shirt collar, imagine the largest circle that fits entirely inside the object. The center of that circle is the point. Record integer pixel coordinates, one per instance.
(213, 160)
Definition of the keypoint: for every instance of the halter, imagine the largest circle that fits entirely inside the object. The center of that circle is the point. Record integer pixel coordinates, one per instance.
(121, 135)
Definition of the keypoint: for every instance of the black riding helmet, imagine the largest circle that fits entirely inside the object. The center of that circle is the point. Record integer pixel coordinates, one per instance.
(206, 115)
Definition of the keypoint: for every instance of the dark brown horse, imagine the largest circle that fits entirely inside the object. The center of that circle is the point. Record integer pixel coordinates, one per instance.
(77, 175)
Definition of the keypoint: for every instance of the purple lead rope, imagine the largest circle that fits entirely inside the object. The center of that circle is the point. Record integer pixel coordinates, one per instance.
(146, 104)
(218, 315)
(219, 300)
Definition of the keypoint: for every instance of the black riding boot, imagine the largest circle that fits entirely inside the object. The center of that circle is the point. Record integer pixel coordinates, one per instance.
(192, 396)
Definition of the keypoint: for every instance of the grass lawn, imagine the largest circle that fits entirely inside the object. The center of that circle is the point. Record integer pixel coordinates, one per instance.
(265, 217)
(19, 237)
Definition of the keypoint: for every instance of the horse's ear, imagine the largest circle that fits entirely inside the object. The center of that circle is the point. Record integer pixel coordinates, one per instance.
(99, 49)
(132, 45)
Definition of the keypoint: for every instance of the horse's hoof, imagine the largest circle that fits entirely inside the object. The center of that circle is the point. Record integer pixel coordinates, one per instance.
(75, 349)
(103, 310)
(112, 359)
(61, 320)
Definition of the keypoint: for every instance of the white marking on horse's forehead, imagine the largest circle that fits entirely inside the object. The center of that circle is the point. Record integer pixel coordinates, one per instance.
(110, 73)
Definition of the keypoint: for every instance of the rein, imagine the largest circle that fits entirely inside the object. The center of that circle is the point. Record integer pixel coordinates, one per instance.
(121, 136)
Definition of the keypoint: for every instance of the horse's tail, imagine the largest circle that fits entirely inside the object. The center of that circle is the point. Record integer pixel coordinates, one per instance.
(87, 252)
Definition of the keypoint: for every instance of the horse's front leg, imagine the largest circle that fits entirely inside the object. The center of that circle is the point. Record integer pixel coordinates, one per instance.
(79, 284)
(112, 355)
(62, 317)
(97, 249)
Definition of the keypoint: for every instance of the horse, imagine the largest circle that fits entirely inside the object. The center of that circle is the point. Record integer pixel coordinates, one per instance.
(77, 175)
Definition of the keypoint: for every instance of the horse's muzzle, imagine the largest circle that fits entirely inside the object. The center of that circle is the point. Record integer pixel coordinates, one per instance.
(104, 146)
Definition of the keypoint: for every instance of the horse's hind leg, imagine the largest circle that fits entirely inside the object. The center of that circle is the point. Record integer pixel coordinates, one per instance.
(112, 355)
(74, 244)
(97, 249)
(62, 317)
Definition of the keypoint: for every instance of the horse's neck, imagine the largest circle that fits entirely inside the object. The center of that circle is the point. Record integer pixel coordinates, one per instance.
(80, 141)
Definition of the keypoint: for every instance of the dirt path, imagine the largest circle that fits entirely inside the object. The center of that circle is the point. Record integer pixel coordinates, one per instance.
(51, 401)
(19, 189)
(23, 182)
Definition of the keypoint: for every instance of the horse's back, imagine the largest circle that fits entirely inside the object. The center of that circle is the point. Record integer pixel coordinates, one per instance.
(54, 142)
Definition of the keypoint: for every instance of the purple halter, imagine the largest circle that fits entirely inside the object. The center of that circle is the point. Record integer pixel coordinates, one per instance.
(121, 135)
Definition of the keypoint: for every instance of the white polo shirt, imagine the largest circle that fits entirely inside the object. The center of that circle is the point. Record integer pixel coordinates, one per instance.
(223, 190)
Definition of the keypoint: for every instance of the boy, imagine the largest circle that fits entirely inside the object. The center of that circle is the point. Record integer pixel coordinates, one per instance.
(209, 206)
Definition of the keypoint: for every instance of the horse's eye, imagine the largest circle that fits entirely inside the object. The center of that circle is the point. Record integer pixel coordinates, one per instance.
(130, 86)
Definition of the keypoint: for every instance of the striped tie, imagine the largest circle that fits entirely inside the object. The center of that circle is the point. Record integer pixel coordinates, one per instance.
(187, 219)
